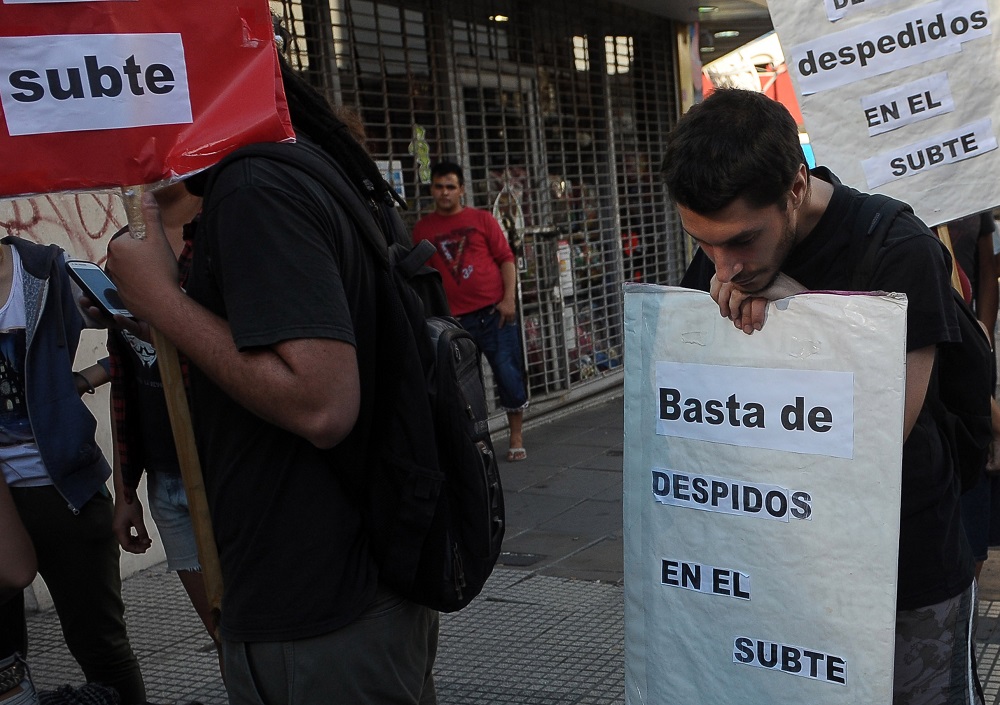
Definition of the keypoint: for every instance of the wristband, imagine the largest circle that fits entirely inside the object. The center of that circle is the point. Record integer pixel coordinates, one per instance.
(90, 387)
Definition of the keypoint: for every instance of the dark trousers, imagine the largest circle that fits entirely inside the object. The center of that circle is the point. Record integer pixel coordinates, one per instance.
(78, 558)
(385, 657)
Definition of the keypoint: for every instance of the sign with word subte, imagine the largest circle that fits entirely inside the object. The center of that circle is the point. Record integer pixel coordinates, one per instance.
(724, 593)
(900, 97)
(144, 75)
(98, 94)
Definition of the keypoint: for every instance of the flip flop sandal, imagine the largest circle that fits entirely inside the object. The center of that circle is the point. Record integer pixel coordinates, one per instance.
(516, 455)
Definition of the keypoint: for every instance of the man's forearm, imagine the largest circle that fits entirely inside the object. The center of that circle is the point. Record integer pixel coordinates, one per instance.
(261, 380)
(508, 273)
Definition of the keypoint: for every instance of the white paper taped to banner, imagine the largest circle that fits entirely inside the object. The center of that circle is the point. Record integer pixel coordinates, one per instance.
(728, 496)
(71, 82)
(724, 594)
(906, 104)
(964, 142)
(839, 9)
(903, 39)
(802, 411)
(895, 79)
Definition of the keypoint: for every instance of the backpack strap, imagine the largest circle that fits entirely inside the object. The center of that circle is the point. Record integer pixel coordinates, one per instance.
(411, 261)
(871, 226)
(312, 161)
(379, 224)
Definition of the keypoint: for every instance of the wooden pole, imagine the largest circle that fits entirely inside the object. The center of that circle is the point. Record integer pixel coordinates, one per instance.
(180, 421)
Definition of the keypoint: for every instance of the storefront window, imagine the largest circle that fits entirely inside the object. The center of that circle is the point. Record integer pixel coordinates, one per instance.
(558, 113)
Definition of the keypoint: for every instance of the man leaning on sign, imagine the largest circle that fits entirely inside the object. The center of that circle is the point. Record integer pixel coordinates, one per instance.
(767, 227)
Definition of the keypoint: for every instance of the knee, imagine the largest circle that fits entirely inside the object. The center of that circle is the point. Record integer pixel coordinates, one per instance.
(18, 575)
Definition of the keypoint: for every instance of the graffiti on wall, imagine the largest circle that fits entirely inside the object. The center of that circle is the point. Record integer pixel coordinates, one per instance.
(79, 223)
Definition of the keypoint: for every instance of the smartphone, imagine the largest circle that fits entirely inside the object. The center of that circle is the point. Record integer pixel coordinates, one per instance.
(97, 287)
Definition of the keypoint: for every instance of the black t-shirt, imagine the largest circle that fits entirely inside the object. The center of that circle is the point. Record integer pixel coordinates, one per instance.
(158, 451)
(279, 260)
(935, 561)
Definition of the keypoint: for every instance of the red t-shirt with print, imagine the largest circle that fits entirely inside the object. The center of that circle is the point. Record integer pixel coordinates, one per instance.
(470, 247)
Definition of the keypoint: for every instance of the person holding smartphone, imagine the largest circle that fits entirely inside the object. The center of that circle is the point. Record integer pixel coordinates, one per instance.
(143, 440)
(55, 469)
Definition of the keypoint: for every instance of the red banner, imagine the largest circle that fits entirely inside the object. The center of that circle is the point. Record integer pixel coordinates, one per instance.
(108, 93)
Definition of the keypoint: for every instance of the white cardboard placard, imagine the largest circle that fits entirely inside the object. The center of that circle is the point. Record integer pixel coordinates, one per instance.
(752, 569)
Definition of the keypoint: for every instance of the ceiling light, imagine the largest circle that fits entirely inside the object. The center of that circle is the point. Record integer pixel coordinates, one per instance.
(499, 18)
(707, 50)
(727, 34)
(702, 9)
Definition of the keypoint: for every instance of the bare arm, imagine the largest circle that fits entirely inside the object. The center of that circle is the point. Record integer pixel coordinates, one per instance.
(919, 364)
(309, 386)
(90, 378)
(128, 523)
(508, 304)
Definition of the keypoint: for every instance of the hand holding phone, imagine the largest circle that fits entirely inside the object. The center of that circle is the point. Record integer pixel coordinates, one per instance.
(98, 287)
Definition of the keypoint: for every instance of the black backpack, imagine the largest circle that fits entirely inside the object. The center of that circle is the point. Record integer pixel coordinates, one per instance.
(965, 370)
(431, 491)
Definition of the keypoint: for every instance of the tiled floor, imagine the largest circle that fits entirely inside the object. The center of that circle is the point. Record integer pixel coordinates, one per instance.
(527, 640)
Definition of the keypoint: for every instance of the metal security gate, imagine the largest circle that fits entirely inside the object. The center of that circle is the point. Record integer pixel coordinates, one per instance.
(557, 110)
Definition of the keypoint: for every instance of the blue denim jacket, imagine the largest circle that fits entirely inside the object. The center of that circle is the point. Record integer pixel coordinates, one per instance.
(63, 426)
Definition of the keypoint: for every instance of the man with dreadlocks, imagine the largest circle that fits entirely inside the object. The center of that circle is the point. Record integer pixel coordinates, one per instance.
(277, 323)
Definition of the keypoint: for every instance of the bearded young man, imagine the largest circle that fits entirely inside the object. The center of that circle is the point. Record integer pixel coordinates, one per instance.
(767, 227)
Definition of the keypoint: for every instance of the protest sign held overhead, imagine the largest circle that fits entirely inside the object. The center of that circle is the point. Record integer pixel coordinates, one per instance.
(762, 499)
(900, 97)
(105, 93)
(96, 94)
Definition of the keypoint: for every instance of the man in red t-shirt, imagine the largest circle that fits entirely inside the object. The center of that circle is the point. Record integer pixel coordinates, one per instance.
(480, 280)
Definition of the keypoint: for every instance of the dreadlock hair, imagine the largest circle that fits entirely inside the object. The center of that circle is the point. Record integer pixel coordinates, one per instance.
(312, 114)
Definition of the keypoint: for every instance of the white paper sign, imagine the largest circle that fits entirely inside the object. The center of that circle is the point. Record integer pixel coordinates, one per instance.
(906, 104)
(963, 142)
(72, 82)
(838, 9)
(755, 574)
(870, 87)
(903, 39)
(802, 411)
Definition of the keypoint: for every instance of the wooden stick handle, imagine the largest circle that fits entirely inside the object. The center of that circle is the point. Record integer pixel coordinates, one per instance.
(187, 456)
(183, 431)
(132, 200)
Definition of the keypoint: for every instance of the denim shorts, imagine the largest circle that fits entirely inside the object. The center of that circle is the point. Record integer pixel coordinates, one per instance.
(502, 347)
(169, 507)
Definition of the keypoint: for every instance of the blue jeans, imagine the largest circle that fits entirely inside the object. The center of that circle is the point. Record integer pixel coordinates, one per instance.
(502, 347)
